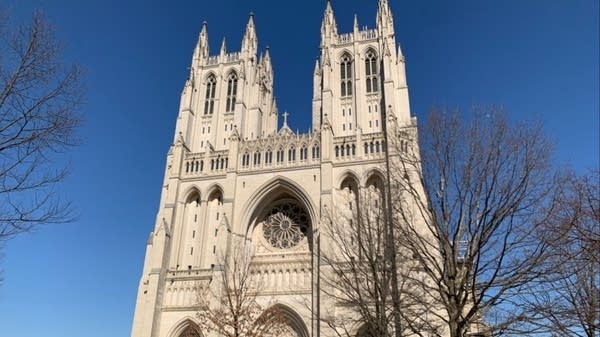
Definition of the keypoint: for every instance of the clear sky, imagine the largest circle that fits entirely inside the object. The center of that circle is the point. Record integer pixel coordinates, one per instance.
(536, 58)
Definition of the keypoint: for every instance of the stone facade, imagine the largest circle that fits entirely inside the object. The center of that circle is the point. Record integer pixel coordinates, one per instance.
(230, 168)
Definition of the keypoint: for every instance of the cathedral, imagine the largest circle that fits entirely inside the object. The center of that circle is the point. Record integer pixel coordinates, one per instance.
(233, 174)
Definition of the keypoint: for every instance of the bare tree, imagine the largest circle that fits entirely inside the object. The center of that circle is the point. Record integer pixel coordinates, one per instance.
(470, 203)
(357, 272)
(39, 98)
(229, 306)
(567, 302)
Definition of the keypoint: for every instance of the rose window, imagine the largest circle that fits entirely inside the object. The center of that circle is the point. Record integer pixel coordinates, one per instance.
(286, 225)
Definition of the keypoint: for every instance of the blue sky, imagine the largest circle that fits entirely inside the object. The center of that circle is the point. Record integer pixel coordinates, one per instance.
(536, 58)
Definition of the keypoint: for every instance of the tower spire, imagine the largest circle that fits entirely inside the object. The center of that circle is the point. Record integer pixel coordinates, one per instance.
(385, 20)
(202, 50)
(250, 41)
(328, 26)
(223, 47)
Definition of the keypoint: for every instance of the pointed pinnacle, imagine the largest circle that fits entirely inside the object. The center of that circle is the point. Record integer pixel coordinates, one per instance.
(223, 46)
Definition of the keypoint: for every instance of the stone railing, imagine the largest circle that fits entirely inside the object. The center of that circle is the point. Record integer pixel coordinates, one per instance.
(209, 163)
(279, 151)
(282, 277)
(233, 57)
(371, 146)
(212, 60)
(368, 34)
(346, 38)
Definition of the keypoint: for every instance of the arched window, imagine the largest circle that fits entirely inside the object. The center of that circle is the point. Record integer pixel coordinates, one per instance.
(346, 75)
(245, 159)
(337, 151)
(232, 82)
(366, 148)
(316, 152)
(269, 157)
(257, 158)
(201, 166)
(292, 154)
(353, 150)
(303, 153)
(280, 155)
(190, 332)
(209, 103)
(371, 72)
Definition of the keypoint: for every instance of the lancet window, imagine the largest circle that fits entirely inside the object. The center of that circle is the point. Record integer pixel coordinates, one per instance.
(209, 103)
(232, 83)
(346, 75)
(371, 72)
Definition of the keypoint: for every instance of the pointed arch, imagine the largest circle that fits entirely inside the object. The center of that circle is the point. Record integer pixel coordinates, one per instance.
(190, 192)
(232, 85)
(346, 74)
(211, 88)
(186, 327)
(371, 71)
(292, 319)
(212, 189)
(277, 188)
(373, 175)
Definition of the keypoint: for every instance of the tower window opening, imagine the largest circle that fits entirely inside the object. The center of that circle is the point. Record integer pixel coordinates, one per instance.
(201, 166)
(216, 232)
(315, 152)
(280, 155)
(353, 150)
(292, 154)
(348, 149)
(257, 158)
(193, 234)
(366, 148)
(346, 76)
(337, 151)
(371, 72)
(343, 127)
(209, 104)
(232, 83)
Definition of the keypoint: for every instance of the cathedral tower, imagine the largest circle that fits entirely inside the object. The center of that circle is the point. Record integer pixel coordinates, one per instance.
(232, 175)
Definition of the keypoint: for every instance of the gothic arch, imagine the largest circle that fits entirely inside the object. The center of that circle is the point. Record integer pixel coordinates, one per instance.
(212, 189)
(293, 320)
(345, 175)
(208, 76)
(190, 192)
(345, 52)
(276, 188)
(371, 49)
(231, 71)
(372, 174)
(180, 328)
